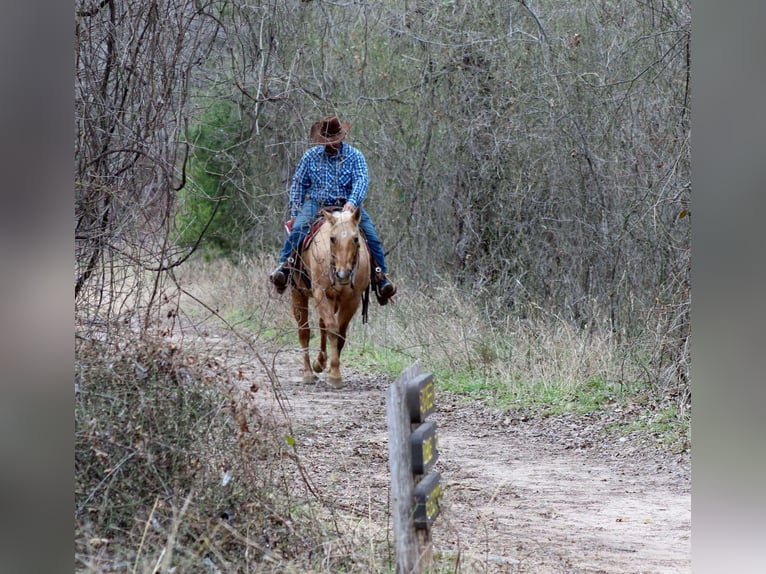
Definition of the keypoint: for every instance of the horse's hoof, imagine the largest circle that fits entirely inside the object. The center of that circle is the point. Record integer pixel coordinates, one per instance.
(318, 366)
(309, 379)
(336, 383)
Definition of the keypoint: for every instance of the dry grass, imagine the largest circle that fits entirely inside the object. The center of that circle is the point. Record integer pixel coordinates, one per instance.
(177, 470)
(529, 359)
(440, 326)
(212, 487)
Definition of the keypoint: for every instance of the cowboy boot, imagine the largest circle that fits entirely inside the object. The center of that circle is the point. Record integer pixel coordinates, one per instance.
(279, 278)
(384, 289)
(281, 274)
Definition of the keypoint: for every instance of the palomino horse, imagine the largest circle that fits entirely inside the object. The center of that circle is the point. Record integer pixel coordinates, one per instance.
(337, 265)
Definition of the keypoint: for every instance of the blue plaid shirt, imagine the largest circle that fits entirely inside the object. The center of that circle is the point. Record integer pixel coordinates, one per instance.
(329, 179)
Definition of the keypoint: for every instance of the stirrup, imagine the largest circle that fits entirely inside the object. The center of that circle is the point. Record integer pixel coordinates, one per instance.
(383, 294)
(280, 276)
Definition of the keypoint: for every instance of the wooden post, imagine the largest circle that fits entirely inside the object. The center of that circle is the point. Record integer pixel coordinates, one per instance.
(400, 465)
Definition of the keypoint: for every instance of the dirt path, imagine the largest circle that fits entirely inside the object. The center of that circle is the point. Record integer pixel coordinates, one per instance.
(552, 495)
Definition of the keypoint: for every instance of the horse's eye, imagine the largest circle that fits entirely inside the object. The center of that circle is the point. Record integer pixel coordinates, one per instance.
(356, 241)
(332, 239)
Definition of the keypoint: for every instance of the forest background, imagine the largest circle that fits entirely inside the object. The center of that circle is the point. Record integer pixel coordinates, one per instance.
(534, 156)
(529, 161)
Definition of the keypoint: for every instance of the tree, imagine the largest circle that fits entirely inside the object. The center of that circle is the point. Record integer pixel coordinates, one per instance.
(134, 65)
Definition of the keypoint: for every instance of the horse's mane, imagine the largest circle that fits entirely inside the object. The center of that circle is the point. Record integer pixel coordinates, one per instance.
(343, 216)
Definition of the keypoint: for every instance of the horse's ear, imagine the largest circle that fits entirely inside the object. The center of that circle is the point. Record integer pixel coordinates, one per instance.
(357, 215)
(329, 216)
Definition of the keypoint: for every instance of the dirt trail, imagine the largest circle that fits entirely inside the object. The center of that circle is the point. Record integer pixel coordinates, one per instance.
(554, 495)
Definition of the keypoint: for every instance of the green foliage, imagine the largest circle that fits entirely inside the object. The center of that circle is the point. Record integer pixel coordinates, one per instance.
(482, 380)
(376, 358)
(212, 203)
(668, 425)
(546, 397)
(477, 386)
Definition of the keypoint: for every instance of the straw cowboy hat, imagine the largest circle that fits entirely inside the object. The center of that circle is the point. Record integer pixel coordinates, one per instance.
(329, 131)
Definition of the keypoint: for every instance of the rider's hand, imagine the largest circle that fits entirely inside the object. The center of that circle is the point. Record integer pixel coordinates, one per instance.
(349, 206)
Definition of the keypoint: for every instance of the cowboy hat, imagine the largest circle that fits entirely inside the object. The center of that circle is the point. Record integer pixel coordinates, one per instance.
(329, 130)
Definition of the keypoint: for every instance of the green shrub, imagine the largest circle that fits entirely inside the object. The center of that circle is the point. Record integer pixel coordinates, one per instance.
(213, 201)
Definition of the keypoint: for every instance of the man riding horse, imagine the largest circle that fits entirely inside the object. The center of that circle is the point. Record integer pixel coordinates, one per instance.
(330, 174)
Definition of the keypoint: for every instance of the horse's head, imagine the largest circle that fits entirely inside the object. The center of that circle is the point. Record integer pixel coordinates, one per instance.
(344, 244)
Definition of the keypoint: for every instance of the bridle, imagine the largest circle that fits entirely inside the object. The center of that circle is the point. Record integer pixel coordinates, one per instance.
(354, 265)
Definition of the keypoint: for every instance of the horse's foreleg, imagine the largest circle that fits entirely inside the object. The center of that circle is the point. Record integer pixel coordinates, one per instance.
(329, 326)
(321, 361)
(334, 377)
(345, 314)
(301, 314)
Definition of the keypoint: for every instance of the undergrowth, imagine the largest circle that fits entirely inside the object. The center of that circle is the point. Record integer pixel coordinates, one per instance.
(636, 405)
(176, 469)
(540, 362)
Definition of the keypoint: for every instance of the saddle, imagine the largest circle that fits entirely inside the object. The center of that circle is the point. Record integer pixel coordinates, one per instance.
(319, 220)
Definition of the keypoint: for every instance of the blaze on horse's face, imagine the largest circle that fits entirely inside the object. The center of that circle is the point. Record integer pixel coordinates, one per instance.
(344, 244)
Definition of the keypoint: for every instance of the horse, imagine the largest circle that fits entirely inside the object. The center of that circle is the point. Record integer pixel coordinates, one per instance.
(336, 274)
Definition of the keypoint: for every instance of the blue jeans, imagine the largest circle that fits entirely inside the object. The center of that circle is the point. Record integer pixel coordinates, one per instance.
(302, 225)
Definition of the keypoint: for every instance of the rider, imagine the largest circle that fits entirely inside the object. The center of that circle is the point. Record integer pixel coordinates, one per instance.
(332, 173)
